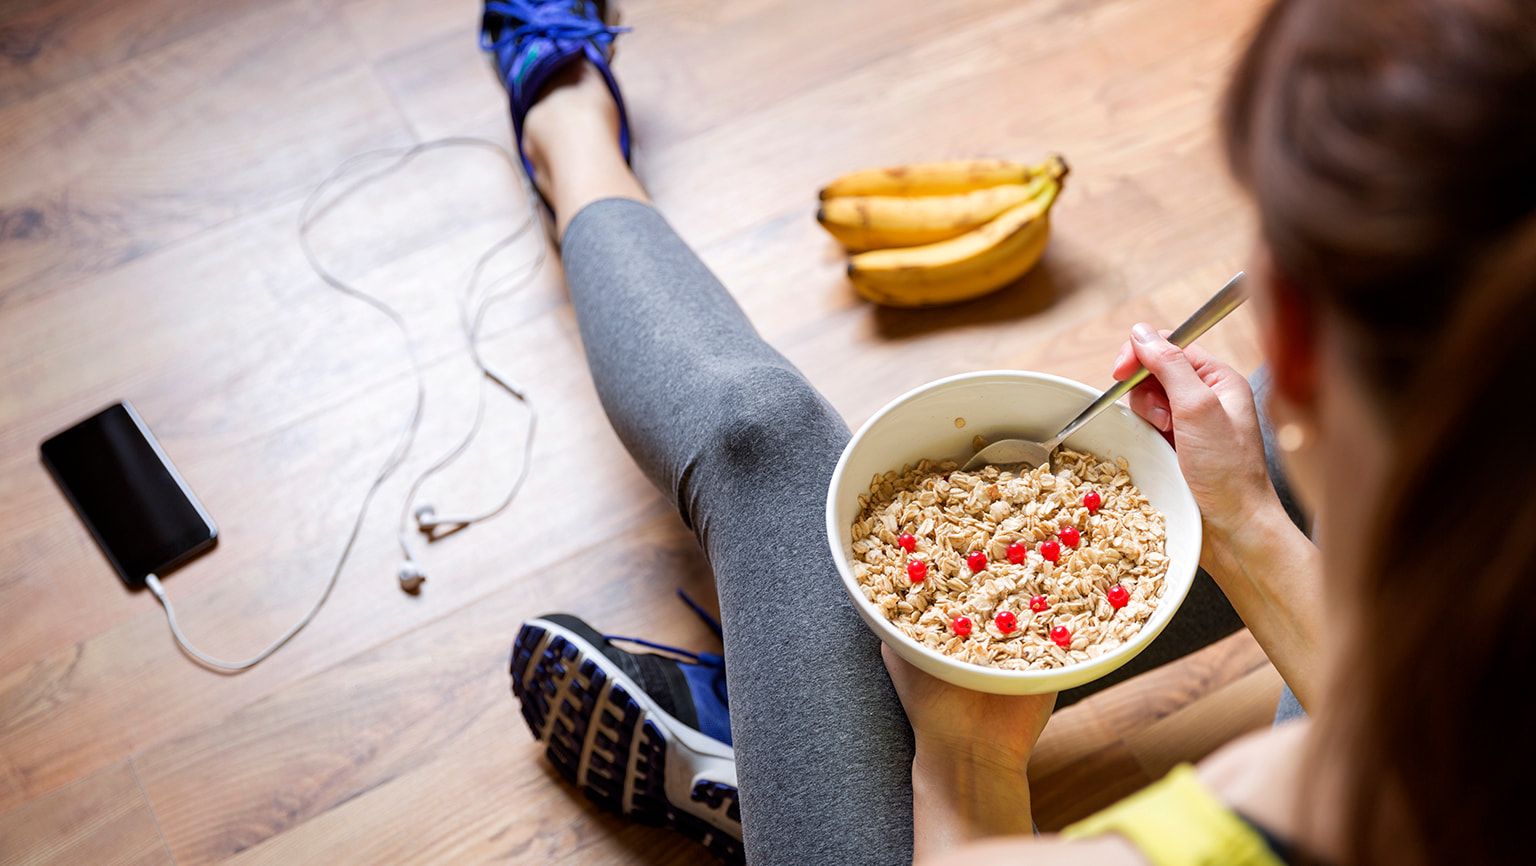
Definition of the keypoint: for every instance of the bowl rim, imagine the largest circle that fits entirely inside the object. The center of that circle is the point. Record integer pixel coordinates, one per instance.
(1130, 648)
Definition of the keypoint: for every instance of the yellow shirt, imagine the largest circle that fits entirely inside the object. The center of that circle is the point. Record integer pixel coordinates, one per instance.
(1177, 821)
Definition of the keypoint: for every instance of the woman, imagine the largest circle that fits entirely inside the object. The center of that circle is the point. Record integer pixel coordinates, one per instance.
(1388, 147)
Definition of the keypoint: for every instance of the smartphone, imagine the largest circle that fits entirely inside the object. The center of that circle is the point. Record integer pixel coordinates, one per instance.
(135, 503)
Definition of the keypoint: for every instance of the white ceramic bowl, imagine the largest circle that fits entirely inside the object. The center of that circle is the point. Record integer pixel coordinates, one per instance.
(1001, 404)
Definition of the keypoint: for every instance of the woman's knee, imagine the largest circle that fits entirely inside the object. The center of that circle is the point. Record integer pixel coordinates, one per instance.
(770, 412)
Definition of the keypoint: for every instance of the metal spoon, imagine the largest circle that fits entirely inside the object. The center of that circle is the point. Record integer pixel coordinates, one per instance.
(1027, 454)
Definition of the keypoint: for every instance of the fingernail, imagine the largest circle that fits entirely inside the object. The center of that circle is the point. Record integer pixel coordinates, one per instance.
(1158, 417)
(1144, 333)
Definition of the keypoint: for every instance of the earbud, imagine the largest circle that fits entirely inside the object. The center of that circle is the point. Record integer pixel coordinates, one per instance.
(428, 523)
(411, 576)
(424, 521)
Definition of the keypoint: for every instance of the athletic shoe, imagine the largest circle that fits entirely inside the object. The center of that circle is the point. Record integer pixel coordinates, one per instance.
(643, 735)
(531, 40)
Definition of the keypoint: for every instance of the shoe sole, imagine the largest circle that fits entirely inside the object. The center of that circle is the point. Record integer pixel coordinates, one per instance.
(627, 755)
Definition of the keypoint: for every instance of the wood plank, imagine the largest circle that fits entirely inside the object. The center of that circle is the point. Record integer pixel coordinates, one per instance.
(236, 315)
(509, 806)
(179, 139)
(46, 45)
(731, 48)
(1202, 727)
(424, 697)
(385, 28)
(1162, 692)
(103, 819)
(1079, 766)
(443, 85)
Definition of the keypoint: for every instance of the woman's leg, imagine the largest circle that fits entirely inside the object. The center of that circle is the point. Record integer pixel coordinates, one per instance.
(725, 425)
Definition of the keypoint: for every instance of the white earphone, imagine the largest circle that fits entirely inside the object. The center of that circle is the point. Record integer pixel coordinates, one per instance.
(411, 575)
(427, 523)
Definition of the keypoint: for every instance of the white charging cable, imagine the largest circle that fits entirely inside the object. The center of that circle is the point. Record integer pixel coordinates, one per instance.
(472, 315)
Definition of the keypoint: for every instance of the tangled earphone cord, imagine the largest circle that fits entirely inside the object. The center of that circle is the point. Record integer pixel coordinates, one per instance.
(311, 213)
(471, 325)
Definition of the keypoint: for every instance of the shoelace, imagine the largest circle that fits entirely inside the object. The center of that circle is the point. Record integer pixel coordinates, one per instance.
(706, 659)
(551, 20)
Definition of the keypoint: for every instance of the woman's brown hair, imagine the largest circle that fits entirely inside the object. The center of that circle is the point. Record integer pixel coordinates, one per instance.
(1390, 146)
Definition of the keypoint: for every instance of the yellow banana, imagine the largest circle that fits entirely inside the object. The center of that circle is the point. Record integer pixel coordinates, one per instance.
(872, 222)
(930, 178)
(978, 262)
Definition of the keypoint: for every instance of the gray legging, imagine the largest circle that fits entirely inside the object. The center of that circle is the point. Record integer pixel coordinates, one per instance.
(723, 423)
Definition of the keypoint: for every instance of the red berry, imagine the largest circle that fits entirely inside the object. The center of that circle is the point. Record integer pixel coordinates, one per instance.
(1017, 552)
(1091, 501)
(1038, 604)
(907, 541)
(917, 570)
(1118, 597)
(1069, 536)
(1050, 551)
(1007, 622)
(1062, 636)
(977, 561)
(961, 625)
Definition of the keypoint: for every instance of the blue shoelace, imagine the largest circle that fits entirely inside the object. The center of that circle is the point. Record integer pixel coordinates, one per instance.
(706, 659)
(551, 20)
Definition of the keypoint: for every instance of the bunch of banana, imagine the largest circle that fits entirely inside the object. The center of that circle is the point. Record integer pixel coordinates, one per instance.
(939, 233)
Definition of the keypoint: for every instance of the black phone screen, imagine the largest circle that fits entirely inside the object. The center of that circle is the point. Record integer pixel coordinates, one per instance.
(141, 512)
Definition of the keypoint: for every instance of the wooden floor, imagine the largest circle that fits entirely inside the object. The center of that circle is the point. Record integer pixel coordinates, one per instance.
(155, 154)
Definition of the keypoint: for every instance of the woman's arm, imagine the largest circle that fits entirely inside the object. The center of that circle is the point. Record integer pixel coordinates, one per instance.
(1267, 567)
(962, 798)
(1272, 574)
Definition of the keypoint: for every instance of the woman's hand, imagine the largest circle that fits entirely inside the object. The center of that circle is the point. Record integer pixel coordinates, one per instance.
(949, 721)
(1267, 567)
(1206, 411)
(968, 772)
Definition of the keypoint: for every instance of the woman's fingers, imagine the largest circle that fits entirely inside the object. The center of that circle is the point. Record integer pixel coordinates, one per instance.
(1189, 383)
(1230, 386)
(900, 669)
(1149, 401)
(1125, 362)
(949, 718)
(1187, 392)
(1211, 371)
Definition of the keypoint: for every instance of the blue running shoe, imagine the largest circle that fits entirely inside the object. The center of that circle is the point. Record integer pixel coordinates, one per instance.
(643, 735)
(533, 39)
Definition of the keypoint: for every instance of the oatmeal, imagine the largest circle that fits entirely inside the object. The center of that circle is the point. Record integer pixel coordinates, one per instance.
(1021, 572)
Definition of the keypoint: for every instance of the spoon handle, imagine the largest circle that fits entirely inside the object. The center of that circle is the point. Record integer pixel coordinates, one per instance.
(1223, 302)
